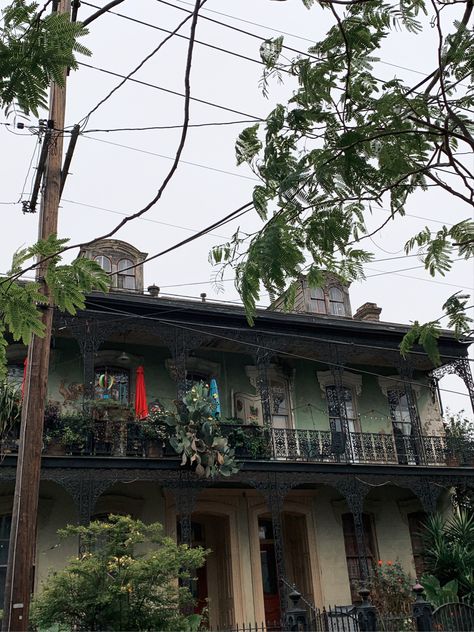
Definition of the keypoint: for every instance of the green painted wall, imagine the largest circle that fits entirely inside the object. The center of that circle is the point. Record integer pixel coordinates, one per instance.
(307, 399)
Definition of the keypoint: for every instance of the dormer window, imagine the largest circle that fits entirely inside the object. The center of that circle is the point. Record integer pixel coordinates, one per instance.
(336, 302)
(122, 261)
(126, 275)
(104, 263)
(317, 300)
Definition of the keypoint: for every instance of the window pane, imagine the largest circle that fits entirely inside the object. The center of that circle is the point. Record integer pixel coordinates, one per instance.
(112, 384)
(125, 263)
(128, 282)
(399, 410)
(333, 402)
(316, 293)
(336, 302)
(104, 263)
(337, 309)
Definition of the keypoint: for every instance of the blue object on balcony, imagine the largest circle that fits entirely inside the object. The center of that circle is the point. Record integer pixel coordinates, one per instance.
(214, 393)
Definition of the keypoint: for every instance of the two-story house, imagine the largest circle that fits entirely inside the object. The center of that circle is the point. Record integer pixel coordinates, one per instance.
(345, 451)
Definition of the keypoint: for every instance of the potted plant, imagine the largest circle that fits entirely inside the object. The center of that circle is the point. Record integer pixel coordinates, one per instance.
(459, 440)
(10, 415)
(51, 430)
(196, 435)
(247, 439)
(65, 433)
(155, 432)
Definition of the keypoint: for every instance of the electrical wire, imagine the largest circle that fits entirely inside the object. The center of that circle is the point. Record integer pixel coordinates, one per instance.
(165, 127)
(143, 219)
(35, 151)
(184, 162)
(184, 326)
(168, 91)
(86, 118)
(163, 30)
(265, 26)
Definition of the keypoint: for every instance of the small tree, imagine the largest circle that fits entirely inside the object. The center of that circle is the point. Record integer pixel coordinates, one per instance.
(113, 586)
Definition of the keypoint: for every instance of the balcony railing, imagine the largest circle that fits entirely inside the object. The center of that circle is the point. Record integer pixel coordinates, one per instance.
(255, 443)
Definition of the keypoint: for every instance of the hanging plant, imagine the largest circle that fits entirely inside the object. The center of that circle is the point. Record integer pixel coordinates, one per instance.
(196, 435)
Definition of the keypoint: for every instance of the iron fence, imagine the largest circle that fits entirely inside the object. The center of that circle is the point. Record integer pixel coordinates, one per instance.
(123, 438)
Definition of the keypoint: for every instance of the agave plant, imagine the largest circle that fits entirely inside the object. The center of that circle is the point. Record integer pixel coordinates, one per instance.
(449, 551)
(196, 435)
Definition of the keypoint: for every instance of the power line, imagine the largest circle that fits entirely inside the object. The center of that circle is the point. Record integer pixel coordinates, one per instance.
(165, 127)
(275, 30)
(143, 219)
(168, 91)
(184, 326)
(86, 118)
(185, 162)
(163, 30)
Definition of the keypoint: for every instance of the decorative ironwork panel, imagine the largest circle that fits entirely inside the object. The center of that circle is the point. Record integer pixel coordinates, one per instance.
(459, 367)
(262, 361)
(338, 402)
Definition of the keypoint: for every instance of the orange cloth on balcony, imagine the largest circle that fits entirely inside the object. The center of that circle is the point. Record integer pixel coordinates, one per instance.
(141, 407)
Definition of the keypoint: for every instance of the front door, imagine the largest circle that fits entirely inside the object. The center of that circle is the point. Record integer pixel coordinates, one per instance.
(271, 597)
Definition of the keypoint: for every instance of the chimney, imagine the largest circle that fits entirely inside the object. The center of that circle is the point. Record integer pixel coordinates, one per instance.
(203, 297)
(368, 311)
(153, 290)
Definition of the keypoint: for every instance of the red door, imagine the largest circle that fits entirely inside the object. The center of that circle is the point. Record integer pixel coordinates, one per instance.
(199, 589)
(271, 598)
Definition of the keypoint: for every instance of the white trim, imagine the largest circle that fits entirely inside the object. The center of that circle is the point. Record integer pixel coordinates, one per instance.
(213, 369)
(349, 380)
(395, 382)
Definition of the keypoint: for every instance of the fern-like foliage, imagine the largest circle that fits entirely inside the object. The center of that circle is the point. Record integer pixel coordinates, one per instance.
(348, 142)
(34, 51)
(21, 302)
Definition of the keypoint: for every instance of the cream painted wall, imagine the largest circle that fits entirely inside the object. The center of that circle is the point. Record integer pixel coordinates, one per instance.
(327, 508)
(321, 508)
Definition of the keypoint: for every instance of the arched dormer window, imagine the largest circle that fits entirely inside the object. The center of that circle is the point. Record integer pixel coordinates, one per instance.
(336, 302)
(104, 263)
(126, 275)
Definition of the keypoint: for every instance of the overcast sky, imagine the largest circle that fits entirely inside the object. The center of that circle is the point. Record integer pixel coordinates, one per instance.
(122, 179)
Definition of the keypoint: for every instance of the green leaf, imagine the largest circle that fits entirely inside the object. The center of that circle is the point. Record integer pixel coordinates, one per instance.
(248, 145)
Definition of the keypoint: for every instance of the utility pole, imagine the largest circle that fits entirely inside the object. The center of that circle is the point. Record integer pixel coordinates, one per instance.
(21, 556)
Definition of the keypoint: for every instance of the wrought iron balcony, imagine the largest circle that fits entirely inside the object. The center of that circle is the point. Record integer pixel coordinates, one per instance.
(256, 443)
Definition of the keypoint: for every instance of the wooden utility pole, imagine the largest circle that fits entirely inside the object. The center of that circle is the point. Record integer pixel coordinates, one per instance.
(21, 556)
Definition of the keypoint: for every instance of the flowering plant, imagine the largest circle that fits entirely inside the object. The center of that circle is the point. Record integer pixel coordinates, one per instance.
(390, 588)
(154, 425)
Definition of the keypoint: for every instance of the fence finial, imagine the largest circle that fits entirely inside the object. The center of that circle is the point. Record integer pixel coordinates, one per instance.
(366, 612)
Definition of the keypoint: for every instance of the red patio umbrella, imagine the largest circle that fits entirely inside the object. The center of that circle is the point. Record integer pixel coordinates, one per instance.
(141, 407)
(25, 366)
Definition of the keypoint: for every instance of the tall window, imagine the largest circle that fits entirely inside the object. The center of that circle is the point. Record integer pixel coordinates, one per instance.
(112, 384)
(318, 301)
(280, 403)
(125, 275)
(399, 411)
(416, 526)
(369, 555)
(5, 525)
(195, 377)
(336, 302)
(104, 263)
(338, 406)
